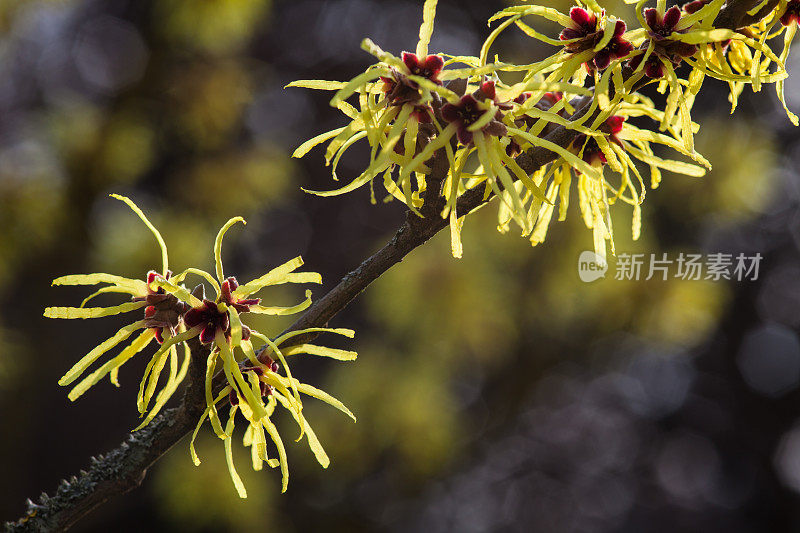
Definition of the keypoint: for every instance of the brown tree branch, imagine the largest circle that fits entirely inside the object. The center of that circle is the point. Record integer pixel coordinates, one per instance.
(735, 13)
(124, 468)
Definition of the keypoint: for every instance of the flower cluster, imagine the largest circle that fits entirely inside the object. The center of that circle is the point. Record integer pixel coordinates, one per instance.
(662, 49)
(173, 315)
(418, 107)
(584, 33)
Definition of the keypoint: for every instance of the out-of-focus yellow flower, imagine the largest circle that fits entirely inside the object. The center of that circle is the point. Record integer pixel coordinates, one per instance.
(745, 57)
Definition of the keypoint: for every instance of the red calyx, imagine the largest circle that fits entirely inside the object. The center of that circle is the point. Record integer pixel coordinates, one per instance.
(583, 24)
(209, 318)
(428, 68)
(241, 305)
(792, 13)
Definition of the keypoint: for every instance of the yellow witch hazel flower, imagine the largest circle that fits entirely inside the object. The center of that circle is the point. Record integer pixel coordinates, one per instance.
(161, 321)
(395, 116)
(263, 381)
(687, 34)
(615, 145)
(218, 323)
(747, 59)
(408, 115)
(591, 41)
(174, 315)
(589, 85)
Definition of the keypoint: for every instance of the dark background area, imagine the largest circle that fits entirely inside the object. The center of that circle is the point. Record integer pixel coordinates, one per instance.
(494, 393)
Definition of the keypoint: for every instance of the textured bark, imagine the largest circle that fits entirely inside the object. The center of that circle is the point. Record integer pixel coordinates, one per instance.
(734, 15)
(124, 468)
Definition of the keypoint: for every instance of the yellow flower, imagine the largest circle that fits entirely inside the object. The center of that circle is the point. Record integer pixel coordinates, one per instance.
(395, 115)
(409, 116)
(174, 315)
(161, 321)
(263, 381)
(743, 57)
(613, 145)
(218, 322)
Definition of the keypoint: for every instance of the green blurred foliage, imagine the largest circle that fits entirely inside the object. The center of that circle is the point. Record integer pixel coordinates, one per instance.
(207, 100)
(200, 498)
(212, 26)
(743, 180)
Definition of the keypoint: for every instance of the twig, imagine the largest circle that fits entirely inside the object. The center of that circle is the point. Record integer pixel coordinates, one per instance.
(124, 468)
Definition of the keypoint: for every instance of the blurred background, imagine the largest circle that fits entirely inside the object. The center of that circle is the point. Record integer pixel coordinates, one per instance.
(494, 393)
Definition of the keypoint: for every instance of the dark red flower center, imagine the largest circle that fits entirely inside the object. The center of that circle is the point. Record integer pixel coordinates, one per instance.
(583, 24)
(163, 309)
(428, 68)
(241, 305)
(400, 90)
(792, 13)
(661, 27)
(592, 153)
(209, 318)
(584, 34)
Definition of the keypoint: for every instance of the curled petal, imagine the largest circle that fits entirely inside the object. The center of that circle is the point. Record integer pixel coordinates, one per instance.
(569, 33)
(620, 28)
